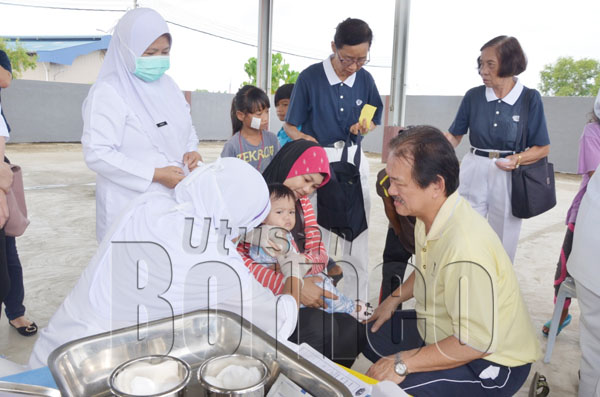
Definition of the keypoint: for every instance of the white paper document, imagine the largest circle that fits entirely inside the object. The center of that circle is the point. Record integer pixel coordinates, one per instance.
(284, 387)
(357, 387)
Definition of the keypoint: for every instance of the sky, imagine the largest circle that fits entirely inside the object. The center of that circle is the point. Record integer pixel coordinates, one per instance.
(444, 36)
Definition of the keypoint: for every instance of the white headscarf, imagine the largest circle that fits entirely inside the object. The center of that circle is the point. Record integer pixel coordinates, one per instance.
(211, 190)
(229, 189)
(153, 102)
(165, 277)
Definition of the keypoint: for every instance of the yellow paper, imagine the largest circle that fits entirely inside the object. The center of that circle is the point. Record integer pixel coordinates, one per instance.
(367, 113)
(364, 378)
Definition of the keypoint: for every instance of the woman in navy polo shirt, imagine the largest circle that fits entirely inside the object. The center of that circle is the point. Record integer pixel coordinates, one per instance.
(327, 100)
(491, 113)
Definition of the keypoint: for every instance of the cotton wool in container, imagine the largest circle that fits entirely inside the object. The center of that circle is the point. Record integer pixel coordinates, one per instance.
(234, 377)
(142, 379)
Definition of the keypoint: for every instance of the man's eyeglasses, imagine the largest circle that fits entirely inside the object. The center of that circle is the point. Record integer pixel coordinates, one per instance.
(346, 62)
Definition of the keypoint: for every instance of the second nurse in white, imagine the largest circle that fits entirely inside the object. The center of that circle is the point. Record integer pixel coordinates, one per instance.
(151, 259)
(137, 128)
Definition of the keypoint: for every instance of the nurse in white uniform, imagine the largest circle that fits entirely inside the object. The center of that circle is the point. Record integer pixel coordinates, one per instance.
(168, 262)
(137, 128)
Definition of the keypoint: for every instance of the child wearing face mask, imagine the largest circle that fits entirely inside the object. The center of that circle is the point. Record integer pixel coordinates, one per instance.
(251, 141)
(282, 218)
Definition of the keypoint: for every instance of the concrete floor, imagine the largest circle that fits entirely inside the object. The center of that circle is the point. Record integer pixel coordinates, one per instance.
(61, 239)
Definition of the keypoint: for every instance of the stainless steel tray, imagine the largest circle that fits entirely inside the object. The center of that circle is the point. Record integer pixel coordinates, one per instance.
(82, 367)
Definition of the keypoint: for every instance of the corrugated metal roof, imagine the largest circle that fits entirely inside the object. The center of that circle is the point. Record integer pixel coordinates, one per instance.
(60, 49)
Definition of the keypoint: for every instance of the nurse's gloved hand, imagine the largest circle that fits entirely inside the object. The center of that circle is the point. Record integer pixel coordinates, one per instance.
(168, 176)
(268, 238)
(191, 159)
(292, 264)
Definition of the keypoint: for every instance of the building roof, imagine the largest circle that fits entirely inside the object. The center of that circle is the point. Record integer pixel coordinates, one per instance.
(59, 49)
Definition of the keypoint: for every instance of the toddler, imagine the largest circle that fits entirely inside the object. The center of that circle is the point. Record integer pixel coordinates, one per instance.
(283, 216)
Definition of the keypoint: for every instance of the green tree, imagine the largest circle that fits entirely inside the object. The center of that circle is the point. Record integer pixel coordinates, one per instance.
(280, 72)
(568, 77)
(20, 60)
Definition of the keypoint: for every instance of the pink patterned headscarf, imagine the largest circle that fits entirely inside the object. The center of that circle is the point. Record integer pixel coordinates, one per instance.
(313, 160)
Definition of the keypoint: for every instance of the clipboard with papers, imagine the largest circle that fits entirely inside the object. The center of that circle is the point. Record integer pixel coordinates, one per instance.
(365, 387)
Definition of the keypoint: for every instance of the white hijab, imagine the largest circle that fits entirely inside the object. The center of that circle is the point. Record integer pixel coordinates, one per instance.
(146, 260)
(153, 102)
(230, 190)
(235, 196)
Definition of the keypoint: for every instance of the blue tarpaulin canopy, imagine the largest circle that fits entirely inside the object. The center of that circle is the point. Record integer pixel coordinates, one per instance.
(59, 49)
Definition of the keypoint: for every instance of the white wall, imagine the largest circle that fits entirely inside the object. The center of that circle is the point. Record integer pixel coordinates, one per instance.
(51, 112)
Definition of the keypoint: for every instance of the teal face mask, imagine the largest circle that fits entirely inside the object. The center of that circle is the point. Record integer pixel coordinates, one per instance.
(151, 68)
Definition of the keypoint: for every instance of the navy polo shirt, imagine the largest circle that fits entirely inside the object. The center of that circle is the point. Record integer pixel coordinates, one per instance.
(327, 107)
(494, 123)
(5, 63)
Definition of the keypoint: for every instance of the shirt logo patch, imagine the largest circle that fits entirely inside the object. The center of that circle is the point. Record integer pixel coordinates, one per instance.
(516, 118)
(359, 102)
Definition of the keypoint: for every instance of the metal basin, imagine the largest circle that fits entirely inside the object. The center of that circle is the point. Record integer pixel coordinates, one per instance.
(82, 368)
(13, 389)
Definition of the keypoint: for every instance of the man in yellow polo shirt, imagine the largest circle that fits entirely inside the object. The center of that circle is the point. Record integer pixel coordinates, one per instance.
(471, 334)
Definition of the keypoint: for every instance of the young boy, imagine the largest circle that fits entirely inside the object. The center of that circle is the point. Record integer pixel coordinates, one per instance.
(282, 101)
(283, 216)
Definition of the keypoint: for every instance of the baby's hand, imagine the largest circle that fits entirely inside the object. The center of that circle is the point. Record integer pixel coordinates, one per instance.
(260, 236)
(277, 235)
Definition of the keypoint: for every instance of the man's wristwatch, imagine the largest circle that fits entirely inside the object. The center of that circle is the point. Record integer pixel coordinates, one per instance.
(400, 366)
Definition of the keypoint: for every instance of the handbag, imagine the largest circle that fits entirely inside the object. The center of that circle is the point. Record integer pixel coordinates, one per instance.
(533, 186)
(17, 209)
(340, 203)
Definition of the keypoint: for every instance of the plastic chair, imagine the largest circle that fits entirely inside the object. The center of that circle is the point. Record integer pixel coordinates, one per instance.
(566, 290)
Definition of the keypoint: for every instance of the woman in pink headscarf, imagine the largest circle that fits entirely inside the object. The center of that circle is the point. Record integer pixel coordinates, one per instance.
(303, 167)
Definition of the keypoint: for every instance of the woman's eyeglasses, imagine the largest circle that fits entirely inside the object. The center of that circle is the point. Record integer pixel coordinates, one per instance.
(346, 62)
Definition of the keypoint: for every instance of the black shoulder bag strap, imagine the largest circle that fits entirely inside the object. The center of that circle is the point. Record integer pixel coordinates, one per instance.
(524, 120)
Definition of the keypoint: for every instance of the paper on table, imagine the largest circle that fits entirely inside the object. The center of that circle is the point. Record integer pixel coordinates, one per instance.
(363, 377)
(356, 386)
(284, 387)
(367, 113)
